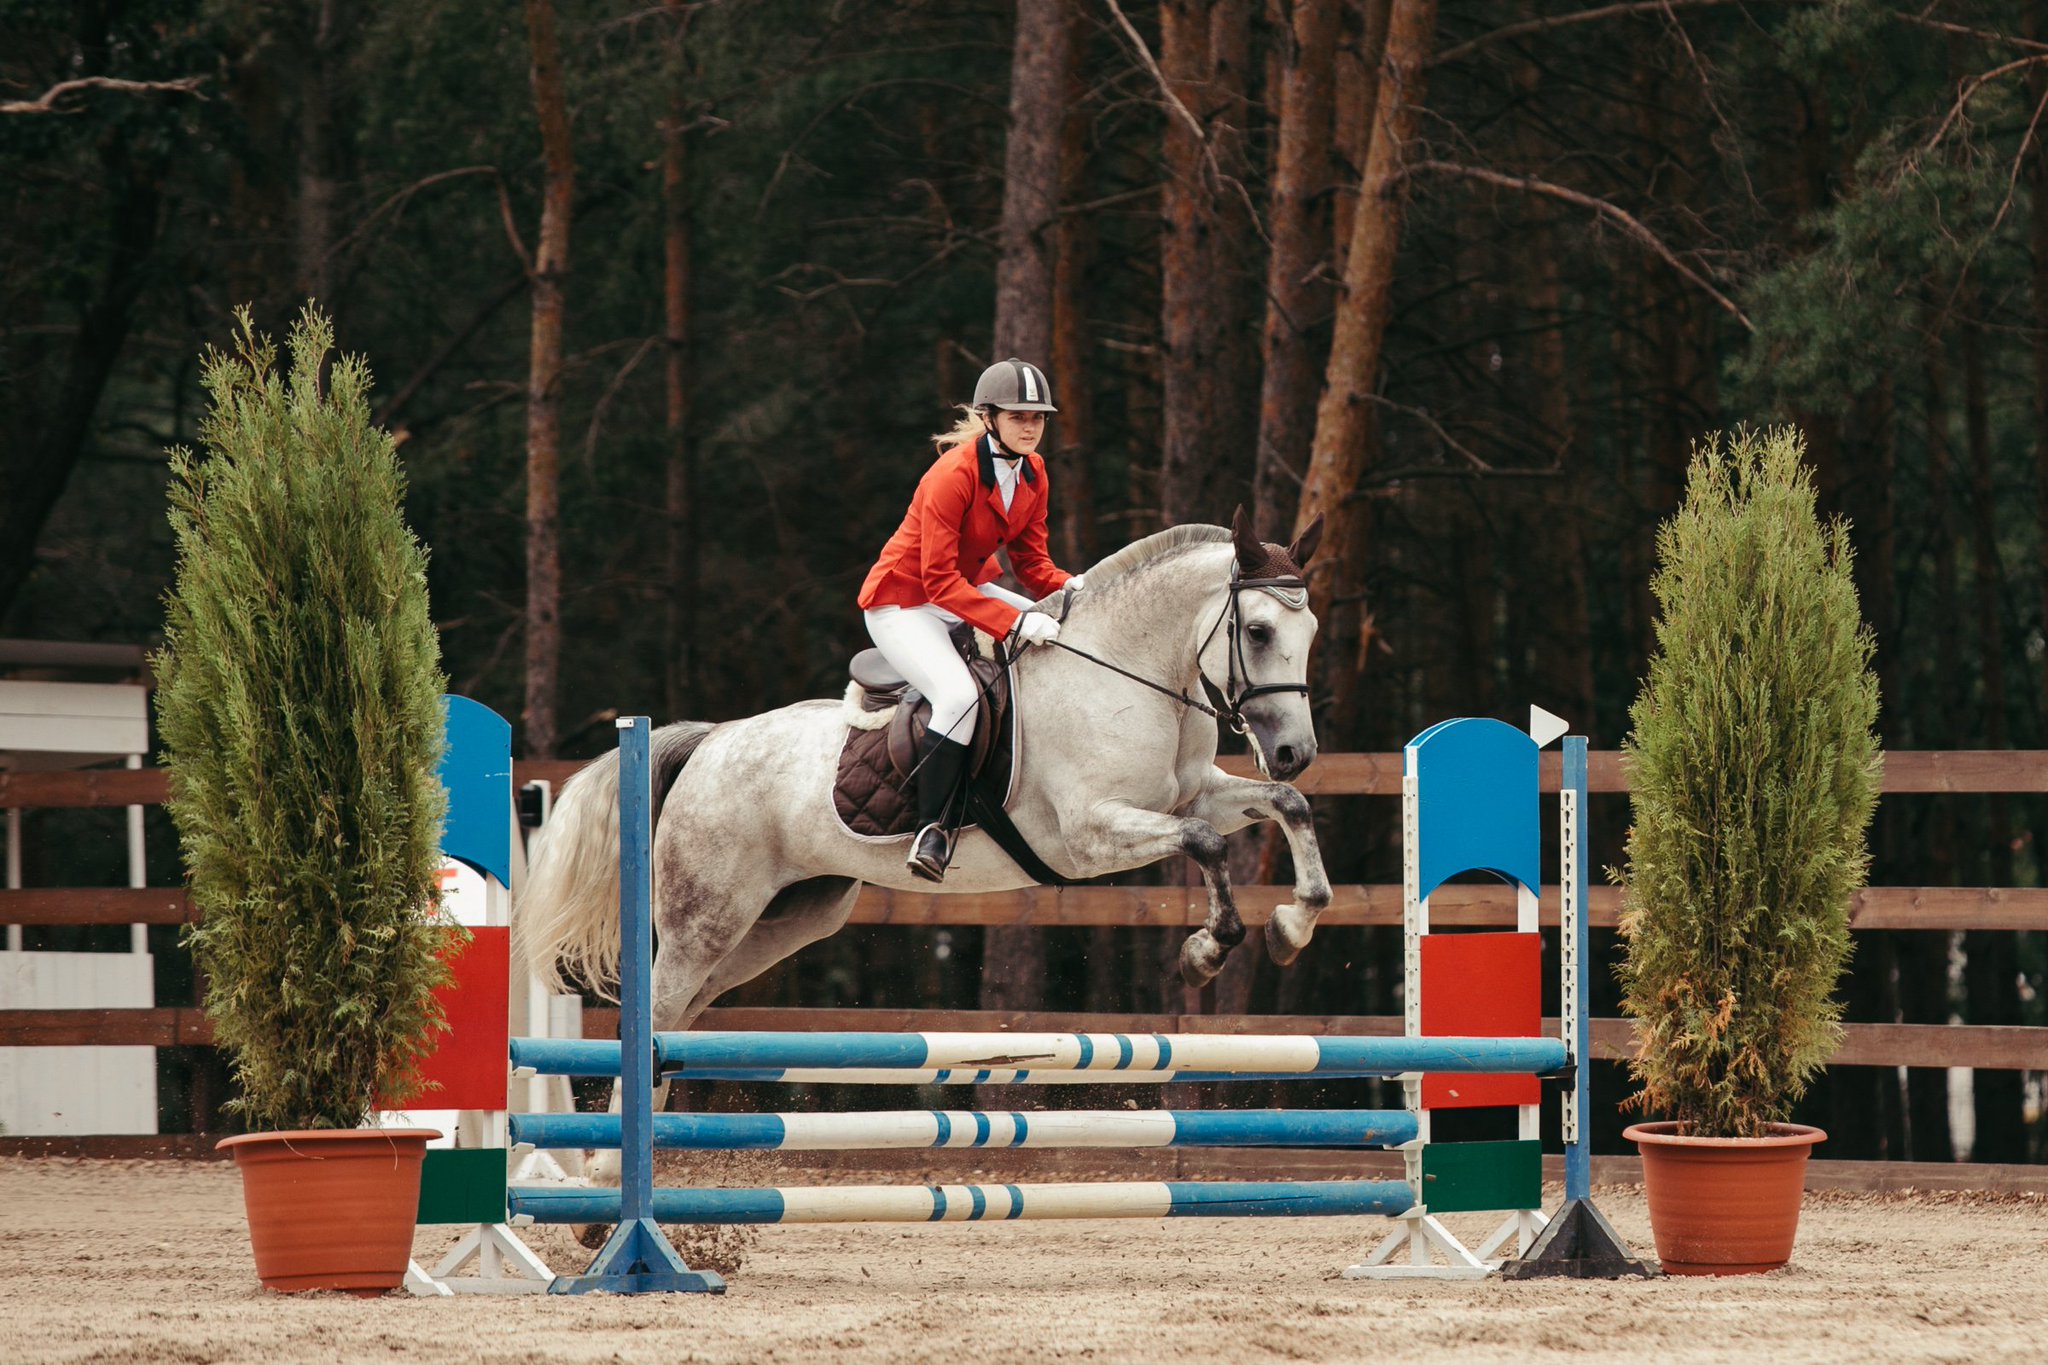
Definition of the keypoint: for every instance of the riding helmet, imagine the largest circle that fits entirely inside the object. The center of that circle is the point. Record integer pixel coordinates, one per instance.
(1014, 385)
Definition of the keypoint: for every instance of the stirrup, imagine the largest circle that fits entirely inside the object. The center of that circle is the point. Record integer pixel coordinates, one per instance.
(930, 863)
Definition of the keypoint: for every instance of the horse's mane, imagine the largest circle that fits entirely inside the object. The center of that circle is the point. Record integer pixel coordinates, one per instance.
(1150, 550)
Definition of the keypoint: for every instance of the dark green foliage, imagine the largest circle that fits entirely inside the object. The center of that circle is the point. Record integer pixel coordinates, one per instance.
(298, 699)
(1754, 773)
(1833, 322)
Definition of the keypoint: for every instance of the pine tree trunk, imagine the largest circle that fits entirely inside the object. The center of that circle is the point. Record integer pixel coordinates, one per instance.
(1294, 299)
(1073, 529)
(1031, 182)
(46, 436)
(543, 389)
(1014, 956)
(679, 504)
(1338, 455)
(1187, 329)
(2037, 84)
(1991, 976)
(1923, 975)
(1553, 598)
(1361, 46)
(314, 238)
(1236, 281)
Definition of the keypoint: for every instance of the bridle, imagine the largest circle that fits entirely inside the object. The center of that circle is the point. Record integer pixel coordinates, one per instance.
(1289, 591)
(1228, 700)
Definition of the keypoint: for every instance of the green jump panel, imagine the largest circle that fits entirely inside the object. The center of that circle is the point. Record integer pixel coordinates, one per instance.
(466, 1186)
(1466, 1177)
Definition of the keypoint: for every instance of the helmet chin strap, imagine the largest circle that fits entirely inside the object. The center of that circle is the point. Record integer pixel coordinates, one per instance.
(1002, 447)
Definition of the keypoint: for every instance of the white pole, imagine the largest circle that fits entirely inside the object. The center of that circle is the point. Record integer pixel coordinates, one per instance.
(138, 934)
(14, 870)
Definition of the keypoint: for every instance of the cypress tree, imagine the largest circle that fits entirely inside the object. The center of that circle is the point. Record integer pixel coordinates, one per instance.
(1753, 776)
(298, 702)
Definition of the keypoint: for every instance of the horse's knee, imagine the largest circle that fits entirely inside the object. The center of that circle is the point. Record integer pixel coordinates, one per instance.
(1200, 841)
(1290, 806)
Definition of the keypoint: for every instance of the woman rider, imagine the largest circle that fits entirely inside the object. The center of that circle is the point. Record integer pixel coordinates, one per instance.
(986, 491)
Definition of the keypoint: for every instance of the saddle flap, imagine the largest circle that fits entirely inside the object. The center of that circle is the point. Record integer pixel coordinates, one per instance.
(869, 791)
(912, 719)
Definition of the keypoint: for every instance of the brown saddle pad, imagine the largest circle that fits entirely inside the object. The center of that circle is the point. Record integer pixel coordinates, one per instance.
(871, 791)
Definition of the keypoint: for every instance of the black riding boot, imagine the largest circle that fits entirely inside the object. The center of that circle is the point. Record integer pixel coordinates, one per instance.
(938, 780)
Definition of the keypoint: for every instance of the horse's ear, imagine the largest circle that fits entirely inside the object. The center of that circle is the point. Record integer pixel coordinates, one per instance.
(1304, 546)
(1251, 552)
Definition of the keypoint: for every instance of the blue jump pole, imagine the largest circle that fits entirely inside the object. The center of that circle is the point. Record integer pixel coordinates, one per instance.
(1109, 1052)
(928, 1128)
(1010, 1058)
(637, 1259)
(1578, 1156)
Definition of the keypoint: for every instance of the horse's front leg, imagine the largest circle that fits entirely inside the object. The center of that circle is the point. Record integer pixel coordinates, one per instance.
(1128, 837)
(1229, 804)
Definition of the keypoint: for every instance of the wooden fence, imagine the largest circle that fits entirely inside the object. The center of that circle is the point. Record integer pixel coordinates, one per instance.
(1940, 909)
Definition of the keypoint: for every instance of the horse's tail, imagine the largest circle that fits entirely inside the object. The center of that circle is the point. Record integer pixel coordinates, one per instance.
(566, 924)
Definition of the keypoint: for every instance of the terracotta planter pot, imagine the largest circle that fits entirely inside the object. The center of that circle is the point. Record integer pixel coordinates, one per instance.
(1723, 1206)
(331, 1208)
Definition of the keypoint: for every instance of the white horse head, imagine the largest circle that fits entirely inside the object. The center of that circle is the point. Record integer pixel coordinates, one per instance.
(1264, 644)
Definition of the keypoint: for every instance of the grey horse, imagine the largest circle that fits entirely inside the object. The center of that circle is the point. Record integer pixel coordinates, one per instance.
(1116, 768)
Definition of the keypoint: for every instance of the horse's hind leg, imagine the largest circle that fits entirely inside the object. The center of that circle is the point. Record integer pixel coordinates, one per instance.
(684, 985)
(699, 928)
(800, 915)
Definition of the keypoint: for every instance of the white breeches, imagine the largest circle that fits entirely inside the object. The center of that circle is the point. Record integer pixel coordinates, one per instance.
(917, 641)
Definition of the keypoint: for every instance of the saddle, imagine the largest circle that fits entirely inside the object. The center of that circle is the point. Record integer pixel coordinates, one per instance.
(888, 718)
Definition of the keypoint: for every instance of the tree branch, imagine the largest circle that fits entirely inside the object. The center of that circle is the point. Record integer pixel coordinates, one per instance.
(398, 201)
(46, 103)
(1465, 49)
(1194, 126)
(1628, 222)
(611, 391)
(1965, 31)
(1975, 84)
(449, 348)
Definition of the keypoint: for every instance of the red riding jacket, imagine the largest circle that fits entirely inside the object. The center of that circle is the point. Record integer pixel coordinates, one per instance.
(949, 537)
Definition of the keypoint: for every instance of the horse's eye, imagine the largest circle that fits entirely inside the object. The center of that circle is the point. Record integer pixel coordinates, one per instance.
(1260, 635)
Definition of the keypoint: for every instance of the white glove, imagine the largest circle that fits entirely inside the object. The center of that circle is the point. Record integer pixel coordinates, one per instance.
(1036, 628)
(1074, 583)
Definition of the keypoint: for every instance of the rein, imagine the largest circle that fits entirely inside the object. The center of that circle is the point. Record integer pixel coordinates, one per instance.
(1228, 708)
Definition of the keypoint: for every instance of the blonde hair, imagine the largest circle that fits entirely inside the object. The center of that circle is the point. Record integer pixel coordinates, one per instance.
(969, 427)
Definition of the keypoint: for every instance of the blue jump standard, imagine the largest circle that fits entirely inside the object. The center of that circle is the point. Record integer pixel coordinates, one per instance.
(977, 1203)
(941, 1128)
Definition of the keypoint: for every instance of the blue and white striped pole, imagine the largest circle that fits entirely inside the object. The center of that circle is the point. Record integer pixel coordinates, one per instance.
(927, 1128)
(979, 1203)
(897, 1057)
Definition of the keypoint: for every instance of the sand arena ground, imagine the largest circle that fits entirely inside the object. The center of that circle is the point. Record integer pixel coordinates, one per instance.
(111, 1261)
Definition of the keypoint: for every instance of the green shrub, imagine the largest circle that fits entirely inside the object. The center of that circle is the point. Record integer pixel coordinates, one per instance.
(1753, 773)
(298, 701)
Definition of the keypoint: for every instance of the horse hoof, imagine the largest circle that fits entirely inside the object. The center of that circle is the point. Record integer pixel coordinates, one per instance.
(1278, 946)
(594, 1235)
(1201, 957)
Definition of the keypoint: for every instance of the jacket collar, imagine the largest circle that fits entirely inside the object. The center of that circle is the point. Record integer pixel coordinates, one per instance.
(985, 452)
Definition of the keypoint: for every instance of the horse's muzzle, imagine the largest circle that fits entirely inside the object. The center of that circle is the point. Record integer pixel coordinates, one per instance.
(1289, 761)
